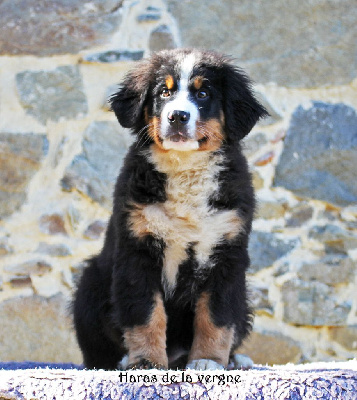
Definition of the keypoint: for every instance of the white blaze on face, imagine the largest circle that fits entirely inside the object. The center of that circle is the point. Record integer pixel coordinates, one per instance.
(181, 102)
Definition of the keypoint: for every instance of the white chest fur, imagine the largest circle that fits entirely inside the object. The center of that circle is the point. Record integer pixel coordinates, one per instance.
(186, 218)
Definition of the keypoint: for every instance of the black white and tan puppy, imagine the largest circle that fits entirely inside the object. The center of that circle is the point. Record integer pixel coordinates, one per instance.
(168, 289)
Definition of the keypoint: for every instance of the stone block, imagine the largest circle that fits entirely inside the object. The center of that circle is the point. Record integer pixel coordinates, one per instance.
(270, 209)
(112, 56)
(299, 216)
(52, 95)
(306, 46)
(320, 152)
(161, 38)
(335, 239)
(312, 303)
(331, 270)
(52, 224)
(56, 250)
(271, 348)
(20, 159)
(95, 230)
(346, 336)
(34, 267)
(37, 329)
(265, 248)
(45, 28)
(94, 171)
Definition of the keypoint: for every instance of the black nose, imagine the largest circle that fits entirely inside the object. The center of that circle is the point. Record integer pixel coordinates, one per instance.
(177, 117)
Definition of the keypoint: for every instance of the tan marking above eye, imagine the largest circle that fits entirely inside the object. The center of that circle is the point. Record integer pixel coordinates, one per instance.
(197, 82)
(170, 82)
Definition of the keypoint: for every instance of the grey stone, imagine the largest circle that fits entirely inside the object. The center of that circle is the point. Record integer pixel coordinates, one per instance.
(331, 270)
(259, 297)
(44, 28)
(161, 38)
(5, 248)
(52, 95)
(112, 56)
(20, 158)
(56, 250)
(35, 328)
(265, 248)
(320, 152)
(94, 171)
(95, 230)
(307, 46)
(271, 348)
(270, 209)
(34, 267)
(299, 216)
(152, 14)
(253, 143)
(312, 303)
(52, 224)
(335, 239)
(274, 115)
(346, 336)
(19, 282)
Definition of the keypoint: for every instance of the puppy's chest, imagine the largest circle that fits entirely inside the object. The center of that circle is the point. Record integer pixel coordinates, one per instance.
(185, 220)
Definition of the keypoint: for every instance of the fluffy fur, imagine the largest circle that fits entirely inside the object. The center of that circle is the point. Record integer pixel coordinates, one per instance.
(169, 286)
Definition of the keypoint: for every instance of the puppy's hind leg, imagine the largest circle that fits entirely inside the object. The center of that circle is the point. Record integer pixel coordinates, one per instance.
(99, 342)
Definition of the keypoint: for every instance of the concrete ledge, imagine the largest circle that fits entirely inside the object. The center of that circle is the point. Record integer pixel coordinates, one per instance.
(65, 381)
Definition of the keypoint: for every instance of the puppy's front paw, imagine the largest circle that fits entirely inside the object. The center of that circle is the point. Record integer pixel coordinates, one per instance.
(240, 361)
(145, 364)
(204, 364)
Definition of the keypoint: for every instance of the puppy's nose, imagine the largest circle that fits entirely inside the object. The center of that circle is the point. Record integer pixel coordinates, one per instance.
(178, 118)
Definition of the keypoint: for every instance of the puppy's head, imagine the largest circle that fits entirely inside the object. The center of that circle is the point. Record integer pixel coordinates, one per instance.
(187, 100)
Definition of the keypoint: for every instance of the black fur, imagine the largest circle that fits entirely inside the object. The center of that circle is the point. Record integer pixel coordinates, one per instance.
(117, 288)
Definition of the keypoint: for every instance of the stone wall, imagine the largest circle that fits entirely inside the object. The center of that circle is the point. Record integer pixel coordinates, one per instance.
(59, 63)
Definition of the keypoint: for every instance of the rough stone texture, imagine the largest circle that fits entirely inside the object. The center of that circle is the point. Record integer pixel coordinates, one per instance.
(299, 216)
(20, 159)
(114, 56)
(95, 230)
(336, 239)
(52, 224)
(331, 270)
(151, 14)
(56, 250)
(35, 267)
(265, 159)
(320, 151)
(259, 298)
(312, 303)
(270, 209)
(278, 42)
(271, 348)
(161, 38)
(94, 171)
(253, 143)
(346, 336)
(56, 27)
(265, 248)
(311, 47)
(52, 95)
(20, 282)
(35, 328)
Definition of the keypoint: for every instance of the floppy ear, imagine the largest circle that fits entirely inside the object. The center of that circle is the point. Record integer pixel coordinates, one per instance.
(128, 102)
(242, 110)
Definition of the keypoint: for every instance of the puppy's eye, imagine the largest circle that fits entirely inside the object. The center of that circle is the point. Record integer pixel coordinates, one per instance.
(165, 92)
(202, 94)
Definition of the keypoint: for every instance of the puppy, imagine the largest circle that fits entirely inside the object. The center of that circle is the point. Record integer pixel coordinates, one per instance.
(168, 289)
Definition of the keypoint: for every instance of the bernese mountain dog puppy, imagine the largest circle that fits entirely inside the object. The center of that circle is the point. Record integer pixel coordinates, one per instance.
(168, 289)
